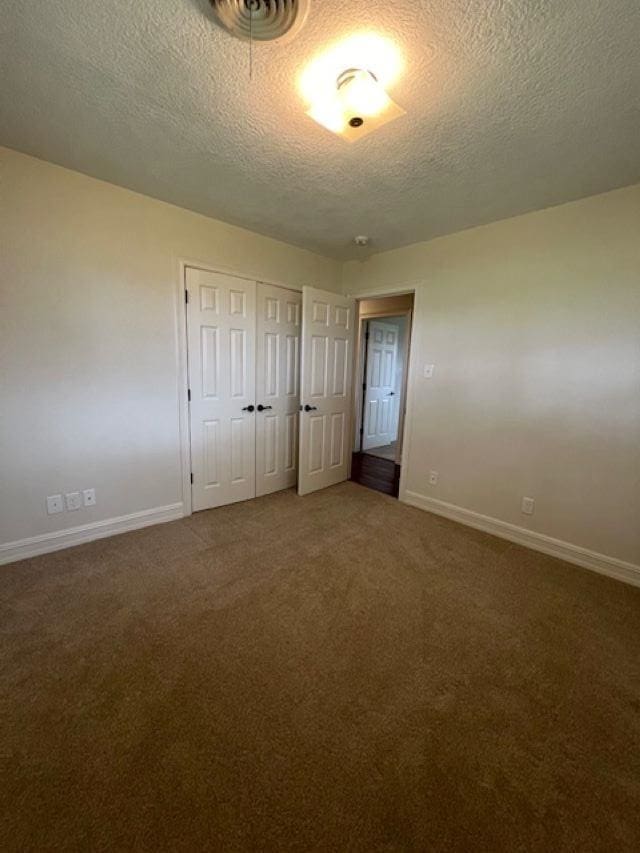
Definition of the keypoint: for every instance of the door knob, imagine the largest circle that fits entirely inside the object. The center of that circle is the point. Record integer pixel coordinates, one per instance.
(262, 408)
(309, 408)
(248, 408)
(391, 393)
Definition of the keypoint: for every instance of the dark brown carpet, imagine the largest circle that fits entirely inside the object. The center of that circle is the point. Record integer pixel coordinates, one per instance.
(339, 672)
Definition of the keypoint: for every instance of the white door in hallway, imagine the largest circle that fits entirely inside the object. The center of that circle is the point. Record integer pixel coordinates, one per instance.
(277, 387)
(326, 373)
(380, 425)
(221, 330)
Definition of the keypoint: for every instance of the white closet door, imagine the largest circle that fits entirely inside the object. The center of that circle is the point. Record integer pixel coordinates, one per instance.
(277, 388)
(221, 338)
(380, 408)
(325, 394)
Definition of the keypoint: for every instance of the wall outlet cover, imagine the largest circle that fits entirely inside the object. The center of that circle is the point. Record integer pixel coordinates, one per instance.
(54, 504)
(73, 501)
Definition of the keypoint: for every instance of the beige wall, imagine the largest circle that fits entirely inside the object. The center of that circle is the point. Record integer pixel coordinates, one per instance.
(533, 325)
(88, 289)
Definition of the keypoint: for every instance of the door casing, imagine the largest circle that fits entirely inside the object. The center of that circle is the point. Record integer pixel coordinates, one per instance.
(182, 362)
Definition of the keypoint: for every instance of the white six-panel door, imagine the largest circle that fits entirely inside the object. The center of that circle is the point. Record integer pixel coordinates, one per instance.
(381, 402)
(221, 324)
(277, 387)
(325, 393)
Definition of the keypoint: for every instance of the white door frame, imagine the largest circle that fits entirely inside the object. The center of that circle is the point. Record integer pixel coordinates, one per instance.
(182, 360)
(415, 288)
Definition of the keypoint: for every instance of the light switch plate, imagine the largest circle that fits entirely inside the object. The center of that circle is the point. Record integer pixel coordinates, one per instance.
(73, 501)
(433, 478)
(428, 371)
(54, 504)
(528, 505)
(89, 497)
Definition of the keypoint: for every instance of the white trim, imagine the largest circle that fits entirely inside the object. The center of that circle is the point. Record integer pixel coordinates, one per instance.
(182, 368)
(47, 542)
(380, 293)
(412, 369)
(401, 289)
(404, 395)
(611, 566)
(246, 274)
(417, 288)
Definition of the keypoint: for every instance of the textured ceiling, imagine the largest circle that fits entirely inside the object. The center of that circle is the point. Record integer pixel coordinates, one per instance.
(512, 105)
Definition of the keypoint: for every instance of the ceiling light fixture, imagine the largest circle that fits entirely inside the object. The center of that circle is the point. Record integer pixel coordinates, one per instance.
(349, 98)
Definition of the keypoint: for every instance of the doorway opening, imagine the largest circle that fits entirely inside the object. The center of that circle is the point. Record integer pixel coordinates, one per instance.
(384, 331)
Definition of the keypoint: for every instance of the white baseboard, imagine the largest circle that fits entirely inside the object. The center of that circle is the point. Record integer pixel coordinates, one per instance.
(611, 566)
(46, 542)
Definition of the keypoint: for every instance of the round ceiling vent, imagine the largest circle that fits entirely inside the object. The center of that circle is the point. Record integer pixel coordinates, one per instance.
(261, 20)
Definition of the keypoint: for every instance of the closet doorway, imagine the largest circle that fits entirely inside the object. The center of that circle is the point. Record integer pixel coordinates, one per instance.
(243, 350)
(384, 341)
(252, 349)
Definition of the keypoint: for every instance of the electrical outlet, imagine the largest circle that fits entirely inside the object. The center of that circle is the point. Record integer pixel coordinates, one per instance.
(428, 371)
(73, 501)
(528, 505)
(54, 504)
(89, 497)
(433, 478)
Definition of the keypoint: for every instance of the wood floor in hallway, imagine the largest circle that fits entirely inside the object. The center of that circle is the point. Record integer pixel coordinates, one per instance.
(383, 475)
